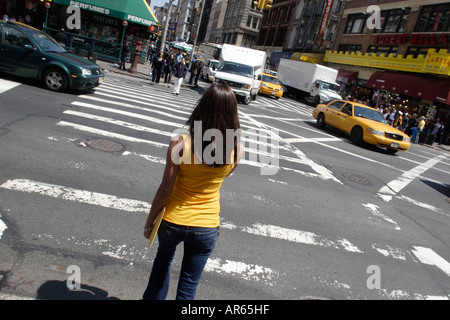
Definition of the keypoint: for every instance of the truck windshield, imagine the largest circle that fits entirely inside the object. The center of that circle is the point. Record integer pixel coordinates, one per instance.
(330, 86)
(237, 68)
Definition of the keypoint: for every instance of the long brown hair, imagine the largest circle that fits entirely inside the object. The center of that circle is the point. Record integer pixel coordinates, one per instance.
(217, 109)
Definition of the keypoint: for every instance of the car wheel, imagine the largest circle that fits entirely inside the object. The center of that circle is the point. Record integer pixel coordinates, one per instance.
(321, 120)
(247, 99)
(357, 135)
(55, 80)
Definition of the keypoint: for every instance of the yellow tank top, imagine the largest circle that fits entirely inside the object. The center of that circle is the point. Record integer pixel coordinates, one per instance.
(195, 199)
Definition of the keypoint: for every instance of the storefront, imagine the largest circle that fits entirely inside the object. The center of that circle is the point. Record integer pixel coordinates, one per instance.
(105, 25)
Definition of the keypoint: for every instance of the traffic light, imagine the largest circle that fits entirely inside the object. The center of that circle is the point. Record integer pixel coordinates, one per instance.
(256, 3)
(268, 4)
(263, 4)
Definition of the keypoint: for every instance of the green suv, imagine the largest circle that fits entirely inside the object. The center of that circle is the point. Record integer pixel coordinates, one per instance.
(28, 52)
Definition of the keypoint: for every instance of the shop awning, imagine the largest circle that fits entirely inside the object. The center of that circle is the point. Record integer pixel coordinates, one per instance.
(347, 76)
(418, 86)
(137, 11)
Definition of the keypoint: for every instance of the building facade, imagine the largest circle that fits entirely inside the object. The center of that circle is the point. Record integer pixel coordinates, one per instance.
(404, 54)
(241, 23)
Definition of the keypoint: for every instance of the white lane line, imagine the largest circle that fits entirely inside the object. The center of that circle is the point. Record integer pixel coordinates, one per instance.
(76, 195)
(3, 227)
(250, 272)
(428, 256)
(423, 205)
(292, 235)
(6, 85)
(374, 209)
(109, 134)
(125, 124)
(395, 186)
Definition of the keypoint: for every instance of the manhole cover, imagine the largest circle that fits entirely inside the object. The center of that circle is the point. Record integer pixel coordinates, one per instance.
(357, 179)
(104, 145)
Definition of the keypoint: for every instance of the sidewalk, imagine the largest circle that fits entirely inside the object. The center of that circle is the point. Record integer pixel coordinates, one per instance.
(143, 71)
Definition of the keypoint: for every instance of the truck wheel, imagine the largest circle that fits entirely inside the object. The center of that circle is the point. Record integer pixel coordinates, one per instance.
(316, 100)
(247, 100)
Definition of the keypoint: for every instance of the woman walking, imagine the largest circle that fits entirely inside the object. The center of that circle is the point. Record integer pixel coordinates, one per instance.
(179, 73)
(189, 192)
(158, 67)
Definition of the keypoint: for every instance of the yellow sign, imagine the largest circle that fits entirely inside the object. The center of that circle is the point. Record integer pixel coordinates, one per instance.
(434, 62)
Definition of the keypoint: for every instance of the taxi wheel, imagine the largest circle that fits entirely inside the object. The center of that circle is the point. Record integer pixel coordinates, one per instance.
(321, 120)
(357, 135)
(55, 80)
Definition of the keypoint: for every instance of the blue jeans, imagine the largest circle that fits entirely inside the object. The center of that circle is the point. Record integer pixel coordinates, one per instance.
(198, 246)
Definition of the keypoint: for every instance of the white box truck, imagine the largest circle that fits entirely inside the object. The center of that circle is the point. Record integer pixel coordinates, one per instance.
(242, 69)
(310, 81)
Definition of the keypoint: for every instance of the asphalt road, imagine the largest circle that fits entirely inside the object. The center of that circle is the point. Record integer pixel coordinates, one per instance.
(306, 214)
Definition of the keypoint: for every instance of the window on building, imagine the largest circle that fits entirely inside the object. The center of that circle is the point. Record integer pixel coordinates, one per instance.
(382, 49)
(433, 18)
(393, 21)
(355, 23)
(415, 51)
(350, 47)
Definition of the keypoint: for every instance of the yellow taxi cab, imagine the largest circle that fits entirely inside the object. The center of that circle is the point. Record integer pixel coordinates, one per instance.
(362, 123)
(270, 85)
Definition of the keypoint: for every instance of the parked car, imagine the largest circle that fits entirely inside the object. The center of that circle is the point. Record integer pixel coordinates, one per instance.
(362, 123)
(28, 52)
(271, 86)
(209, 70)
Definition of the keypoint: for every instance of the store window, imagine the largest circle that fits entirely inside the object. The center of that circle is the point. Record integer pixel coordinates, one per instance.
(382, 50)
(434, 18)
(393, 21)
(350, 47)
(355, 23)
(415, 51)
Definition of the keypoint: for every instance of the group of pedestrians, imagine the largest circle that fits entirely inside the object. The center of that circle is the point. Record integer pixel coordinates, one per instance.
(415, 126)
(168, 65)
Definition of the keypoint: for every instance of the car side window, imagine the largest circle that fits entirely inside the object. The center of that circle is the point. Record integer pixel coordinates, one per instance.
(15, 38)
(347, 109)
(336, 105)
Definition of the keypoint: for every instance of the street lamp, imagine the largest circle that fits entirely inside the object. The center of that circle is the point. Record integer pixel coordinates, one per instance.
(124, 24)
(47, 6)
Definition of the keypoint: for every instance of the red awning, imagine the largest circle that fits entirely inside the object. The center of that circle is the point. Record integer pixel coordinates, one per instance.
(347, 76)
(418, 86)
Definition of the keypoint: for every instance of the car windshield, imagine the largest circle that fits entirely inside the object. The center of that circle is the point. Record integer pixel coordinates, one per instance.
(270, 79)
(237, 68)
(368, 113)
(330, 86)
(214, 64)
(46, 43)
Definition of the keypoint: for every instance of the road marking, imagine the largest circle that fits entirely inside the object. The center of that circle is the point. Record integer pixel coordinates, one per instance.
(71, 194)
(292, 235)
(428, 256)
(109, 134)
(395, 186)
(250, 272)
(6, 85)
(374, 209)
(3, 227)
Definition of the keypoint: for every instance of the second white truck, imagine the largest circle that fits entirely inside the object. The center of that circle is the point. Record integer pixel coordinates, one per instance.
(313, 82)
(242, 69)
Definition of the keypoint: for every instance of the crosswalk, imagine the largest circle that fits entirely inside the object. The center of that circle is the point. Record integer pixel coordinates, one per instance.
(148, 116)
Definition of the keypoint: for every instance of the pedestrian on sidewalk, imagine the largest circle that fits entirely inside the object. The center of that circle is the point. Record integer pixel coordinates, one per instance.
(158, 67)
(124, 59)
(179, 73)
(189, 192)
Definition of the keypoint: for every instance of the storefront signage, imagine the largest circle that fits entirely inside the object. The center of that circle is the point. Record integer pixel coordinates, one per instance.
(436, 62)
(90, 7)
(414, 39)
